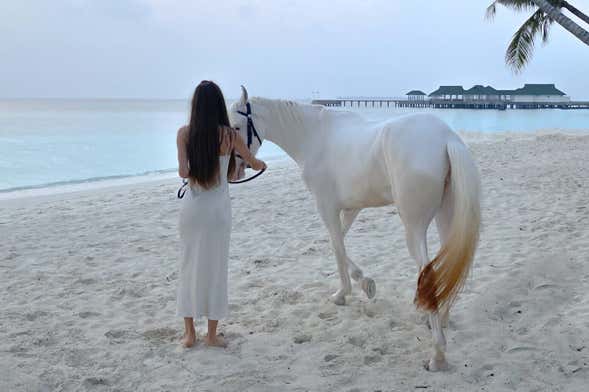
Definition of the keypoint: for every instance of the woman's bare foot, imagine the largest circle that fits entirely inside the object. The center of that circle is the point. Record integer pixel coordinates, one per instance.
(189, 339)
(189, 333)
(218, 341)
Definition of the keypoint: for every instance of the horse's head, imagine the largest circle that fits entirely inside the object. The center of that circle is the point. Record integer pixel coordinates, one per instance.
(241, 116)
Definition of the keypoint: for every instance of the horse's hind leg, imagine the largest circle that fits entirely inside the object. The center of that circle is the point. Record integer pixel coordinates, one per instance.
(416, 241)
(417, 210)
(367, 284)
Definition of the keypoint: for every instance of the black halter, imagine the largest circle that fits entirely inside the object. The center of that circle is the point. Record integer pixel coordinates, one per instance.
(251, 132)
(251, 129)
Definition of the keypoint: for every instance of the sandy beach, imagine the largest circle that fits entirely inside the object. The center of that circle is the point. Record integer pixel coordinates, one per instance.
(89, 283)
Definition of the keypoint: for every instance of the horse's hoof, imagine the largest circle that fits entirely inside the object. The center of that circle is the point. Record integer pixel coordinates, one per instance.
(369, 287)
(338, 299)
(436, 365)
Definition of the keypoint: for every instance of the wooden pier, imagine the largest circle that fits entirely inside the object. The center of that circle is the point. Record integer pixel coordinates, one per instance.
(447, 104)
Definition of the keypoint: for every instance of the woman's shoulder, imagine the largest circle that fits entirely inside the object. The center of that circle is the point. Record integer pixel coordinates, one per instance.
(183, 132)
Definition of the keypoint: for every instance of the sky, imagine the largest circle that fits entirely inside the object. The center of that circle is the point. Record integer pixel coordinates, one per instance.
(277, 48)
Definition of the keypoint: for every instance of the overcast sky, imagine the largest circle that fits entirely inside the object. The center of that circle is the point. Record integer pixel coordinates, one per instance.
(278, 48)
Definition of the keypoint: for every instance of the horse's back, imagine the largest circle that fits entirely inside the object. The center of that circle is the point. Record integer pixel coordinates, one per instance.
(417, 140)
(421, 129)
(365, 165)
(415, 152)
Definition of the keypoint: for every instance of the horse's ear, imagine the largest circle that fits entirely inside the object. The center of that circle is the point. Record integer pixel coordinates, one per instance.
(243, 99)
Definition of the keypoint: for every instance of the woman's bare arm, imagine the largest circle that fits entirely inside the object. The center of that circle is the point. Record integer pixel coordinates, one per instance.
(241, 148)
(181, 142)
(226, 136)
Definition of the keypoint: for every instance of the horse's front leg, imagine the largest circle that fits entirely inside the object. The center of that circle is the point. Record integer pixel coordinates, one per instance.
(331, 218)
(367, 284)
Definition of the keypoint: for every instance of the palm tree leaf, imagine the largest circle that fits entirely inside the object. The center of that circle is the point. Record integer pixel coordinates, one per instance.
(526, 5)
(546, 29)
(521, 47)
(491, 10)
(518, 5)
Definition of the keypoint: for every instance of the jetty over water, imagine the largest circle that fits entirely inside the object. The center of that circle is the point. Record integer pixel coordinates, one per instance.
(531, 96)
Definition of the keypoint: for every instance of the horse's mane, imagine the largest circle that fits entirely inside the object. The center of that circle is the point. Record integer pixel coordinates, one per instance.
(285, 111)
(291, 113)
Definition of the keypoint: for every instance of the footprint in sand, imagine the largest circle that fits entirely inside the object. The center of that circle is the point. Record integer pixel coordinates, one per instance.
(85, 315)
(357, 341)
(382, 350)
(285, 296)
(11, 256)
(129, 292)
(95, 381)
(45, 341)
(118, 336)
(371, 359)
(303, 338)
(32, 316)
(271, 326)
(161, 335)
(519, 349)
(327, 316)
(261, 262)
(86, 281)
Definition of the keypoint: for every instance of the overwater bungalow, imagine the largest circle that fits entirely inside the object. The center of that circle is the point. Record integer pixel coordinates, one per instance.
(530, 96)
(530, 93)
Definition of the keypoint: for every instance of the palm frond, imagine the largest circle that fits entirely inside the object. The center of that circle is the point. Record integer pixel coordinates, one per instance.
(518, 5)
(546, 29)
(491, 10)
(521, 48)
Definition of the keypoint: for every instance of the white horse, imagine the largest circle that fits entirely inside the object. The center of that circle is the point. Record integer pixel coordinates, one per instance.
(415, 162)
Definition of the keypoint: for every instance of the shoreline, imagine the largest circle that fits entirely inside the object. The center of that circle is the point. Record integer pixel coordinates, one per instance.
(81, 185)
(55, 193)
(76, 186)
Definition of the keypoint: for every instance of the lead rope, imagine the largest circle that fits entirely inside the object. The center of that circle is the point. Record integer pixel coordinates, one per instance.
(182, 189)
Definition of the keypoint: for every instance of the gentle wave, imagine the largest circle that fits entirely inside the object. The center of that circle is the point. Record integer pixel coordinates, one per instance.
(467, 136)
(86, 180)
(104, 181)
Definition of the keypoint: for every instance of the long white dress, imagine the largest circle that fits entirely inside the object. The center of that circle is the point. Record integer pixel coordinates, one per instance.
(205, 229)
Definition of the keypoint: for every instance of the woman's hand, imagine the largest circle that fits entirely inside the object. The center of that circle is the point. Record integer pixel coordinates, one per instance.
(246, 154)
(226, 140)
(258, 165)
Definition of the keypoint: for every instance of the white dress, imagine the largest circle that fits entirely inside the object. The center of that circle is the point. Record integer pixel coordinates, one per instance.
(205, 228)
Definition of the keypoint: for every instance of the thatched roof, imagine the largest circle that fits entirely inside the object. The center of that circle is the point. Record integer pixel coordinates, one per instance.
(448, 90)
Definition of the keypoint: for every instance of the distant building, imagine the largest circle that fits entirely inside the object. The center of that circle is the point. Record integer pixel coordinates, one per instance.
(416, 95)
(530, 96)
(539, 93)
(481, 93)
(448, 93)
(535, 93)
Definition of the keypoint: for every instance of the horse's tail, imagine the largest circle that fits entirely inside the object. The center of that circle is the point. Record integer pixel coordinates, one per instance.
(442, 278)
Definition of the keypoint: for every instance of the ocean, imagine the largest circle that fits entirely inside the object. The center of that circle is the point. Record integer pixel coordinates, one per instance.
(51, 143)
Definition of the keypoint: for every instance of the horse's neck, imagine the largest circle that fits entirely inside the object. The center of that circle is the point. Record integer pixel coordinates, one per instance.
(293, 127)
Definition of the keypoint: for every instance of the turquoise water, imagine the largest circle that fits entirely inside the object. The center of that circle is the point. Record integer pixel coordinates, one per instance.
(55, 142)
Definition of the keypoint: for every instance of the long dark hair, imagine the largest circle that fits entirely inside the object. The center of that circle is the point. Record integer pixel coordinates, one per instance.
(208, 115)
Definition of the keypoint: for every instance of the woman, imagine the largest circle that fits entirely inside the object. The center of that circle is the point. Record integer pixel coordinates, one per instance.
(205, 157)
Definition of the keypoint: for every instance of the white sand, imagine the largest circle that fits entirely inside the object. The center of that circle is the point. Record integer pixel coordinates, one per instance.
(88, 289)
